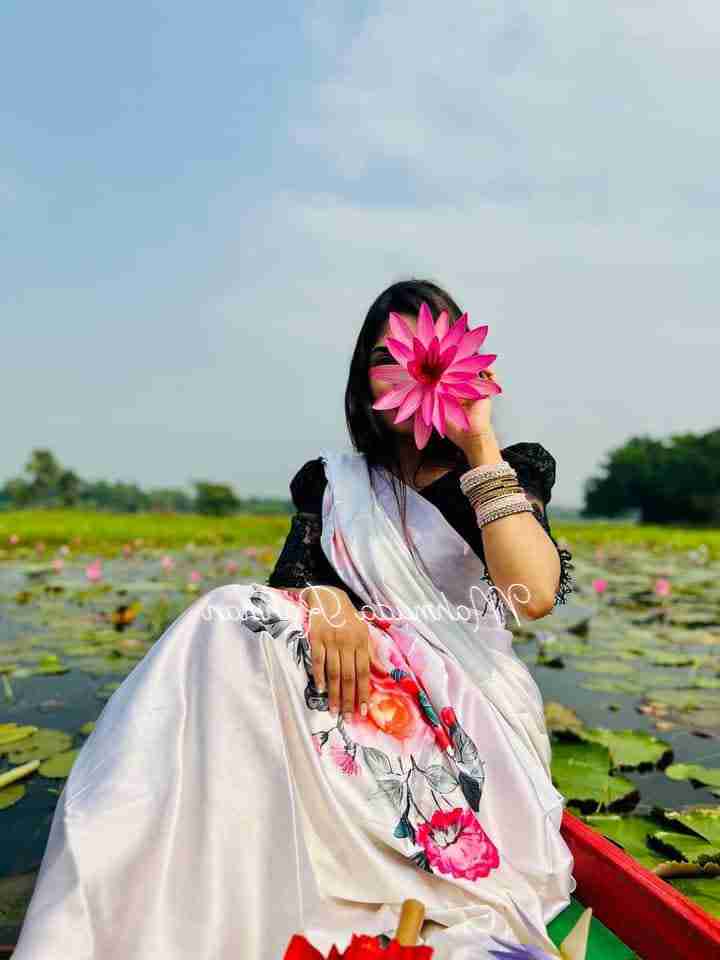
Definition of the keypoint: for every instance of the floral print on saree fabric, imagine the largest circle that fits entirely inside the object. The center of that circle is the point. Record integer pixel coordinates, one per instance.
(418, 758)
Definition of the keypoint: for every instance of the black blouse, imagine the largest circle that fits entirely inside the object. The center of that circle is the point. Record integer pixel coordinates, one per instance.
(302, 561)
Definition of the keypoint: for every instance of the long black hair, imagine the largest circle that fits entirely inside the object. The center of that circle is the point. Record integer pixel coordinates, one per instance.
(369, 433)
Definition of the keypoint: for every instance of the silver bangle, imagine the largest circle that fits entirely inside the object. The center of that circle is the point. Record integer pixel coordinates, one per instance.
(503, 507)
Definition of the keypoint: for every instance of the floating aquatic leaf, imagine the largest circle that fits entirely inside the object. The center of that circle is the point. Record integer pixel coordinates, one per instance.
(58, 765)
(559, 718)
(10, 795)
(602, 666)
(41, 745)
(694, 771)
(12, 732)
(683, 700)
(630, 831)
(581, 772)
(706, 893)
(630, 749)
(705, 821)
(681, 846)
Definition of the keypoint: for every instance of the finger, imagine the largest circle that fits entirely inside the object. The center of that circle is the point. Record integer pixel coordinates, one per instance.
(332, 669)
(347, 669)
(317, 651)
(362, 674)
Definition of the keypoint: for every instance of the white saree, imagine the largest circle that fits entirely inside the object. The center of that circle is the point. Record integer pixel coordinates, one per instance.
(218, 808)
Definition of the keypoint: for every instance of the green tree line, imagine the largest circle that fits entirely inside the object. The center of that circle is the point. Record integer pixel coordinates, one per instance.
(46, 483)
(668, 481)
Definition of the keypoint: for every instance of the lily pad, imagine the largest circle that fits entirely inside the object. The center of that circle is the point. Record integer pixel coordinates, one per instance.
(694, 771)
(39, 746)
(705, 821)
(630, 749)
(12, 732)
(681, 846)
(10, 795)
(706, 893)
(559, 718)
(630, 832)
(581, 772)
(58, 765)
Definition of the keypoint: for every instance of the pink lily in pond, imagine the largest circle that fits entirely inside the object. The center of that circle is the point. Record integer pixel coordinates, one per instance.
(599, 585)
(14, 538)
(93, 571)
(232, 566)
(167, 563)
(437, 368)
(662, 587)
(195, 575)
(57, 564)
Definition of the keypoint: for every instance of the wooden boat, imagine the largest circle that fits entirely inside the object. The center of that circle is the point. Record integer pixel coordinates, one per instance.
(636, 914)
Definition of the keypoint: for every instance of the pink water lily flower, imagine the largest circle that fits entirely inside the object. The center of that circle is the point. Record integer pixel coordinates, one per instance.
(662, 587)
(167, 562)
(437, 368)
(599, 585)
(93, 571)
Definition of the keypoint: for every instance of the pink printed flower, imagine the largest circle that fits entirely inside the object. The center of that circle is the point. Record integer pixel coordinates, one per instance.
(395, 722)
(437, 367)
(599, 585)
(662, 587)
(345, 761)
(456, 844)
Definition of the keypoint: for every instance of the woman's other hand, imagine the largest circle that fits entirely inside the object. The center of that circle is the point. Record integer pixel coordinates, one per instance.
(340, 645)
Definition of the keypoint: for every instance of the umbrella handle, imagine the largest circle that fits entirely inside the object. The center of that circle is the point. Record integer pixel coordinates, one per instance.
(412, 915)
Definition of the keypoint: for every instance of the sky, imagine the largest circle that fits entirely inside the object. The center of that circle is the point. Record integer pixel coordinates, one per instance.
(199, 203)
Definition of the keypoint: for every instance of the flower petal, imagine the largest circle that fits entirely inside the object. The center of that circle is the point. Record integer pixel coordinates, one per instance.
(410, 404)
(472, 341)
(471, 364)
(391, 372)
(455, 334)
(394, 397)
(399, 350)
(455, 413)
(400, 329)
(441, 325)
(425, 329)
(422, 432)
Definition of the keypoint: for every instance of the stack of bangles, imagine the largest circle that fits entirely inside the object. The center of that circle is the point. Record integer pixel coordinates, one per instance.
(494, 492)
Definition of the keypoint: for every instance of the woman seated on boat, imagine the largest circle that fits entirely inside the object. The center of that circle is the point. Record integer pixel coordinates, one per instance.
(302, 755)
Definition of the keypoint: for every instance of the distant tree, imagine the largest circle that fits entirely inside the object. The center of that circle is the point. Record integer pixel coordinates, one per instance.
(215, 499)
(668, 481)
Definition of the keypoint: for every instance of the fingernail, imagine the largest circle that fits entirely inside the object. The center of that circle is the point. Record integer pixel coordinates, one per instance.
(363, 709)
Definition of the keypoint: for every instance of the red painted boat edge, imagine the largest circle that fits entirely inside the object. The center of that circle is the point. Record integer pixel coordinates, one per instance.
(648, 914)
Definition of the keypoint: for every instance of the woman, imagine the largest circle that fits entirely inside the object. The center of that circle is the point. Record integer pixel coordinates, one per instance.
(301, 756)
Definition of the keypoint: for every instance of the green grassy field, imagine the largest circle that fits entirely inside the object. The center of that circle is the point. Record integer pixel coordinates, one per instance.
(106, 533)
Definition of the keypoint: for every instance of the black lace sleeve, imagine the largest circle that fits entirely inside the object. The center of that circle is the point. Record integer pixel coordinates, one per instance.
(536, 469)
(302, 561)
